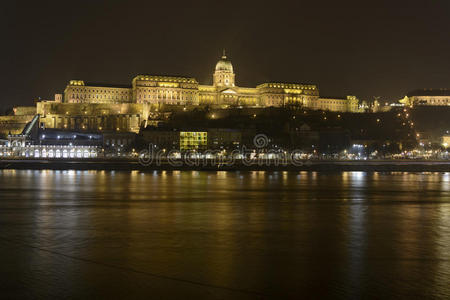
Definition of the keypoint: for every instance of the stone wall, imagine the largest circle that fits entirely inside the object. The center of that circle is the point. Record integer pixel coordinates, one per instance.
(24, 110)
(13, 124)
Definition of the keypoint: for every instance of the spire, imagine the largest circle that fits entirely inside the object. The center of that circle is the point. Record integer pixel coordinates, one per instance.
(224, 56)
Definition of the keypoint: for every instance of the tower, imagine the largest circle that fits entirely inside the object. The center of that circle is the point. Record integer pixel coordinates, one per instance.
(223, 75)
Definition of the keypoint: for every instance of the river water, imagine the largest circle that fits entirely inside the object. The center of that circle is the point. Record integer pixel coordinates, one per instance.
(224, 235)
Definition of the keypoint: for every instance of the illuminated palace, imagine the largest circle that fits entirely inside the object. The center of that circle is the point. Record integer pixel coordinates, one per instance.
(100, 107)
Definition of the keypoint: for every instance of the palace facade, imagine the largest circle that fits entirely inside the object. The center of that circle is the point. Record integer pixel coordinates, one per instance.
(103, 107)
(186, 91)
(434, 97)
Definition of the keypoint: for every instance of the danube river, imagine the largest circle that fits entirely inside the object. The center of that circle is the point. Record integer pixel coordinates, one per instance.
(224, 235)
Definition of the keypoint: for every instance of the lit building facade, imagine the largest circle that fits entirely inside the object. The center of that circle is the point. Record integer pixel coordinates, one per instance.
(186, 91)
(49, 151)
(193, 140)
(446, 141)
(126, 108)
(434, 97)
(349, 104)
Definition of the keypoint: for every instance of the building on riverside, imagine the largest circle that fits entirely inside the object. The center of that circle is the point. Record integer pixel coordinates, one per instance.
(35, 141)
(86, 106)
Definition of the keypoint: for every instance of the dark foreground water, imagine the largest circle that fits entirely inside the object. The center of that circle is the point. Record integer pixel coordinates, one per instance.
(224, 235)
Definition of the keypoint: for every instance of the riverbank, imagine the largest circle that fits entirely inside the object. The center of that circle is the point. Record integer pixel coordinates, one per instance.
(129, 165)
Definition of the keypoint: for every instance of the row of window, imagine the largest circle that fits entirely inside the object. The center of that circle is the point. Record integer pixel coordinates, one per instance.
(44, 153)
(81, 96)
(444, 100)
(111, 91)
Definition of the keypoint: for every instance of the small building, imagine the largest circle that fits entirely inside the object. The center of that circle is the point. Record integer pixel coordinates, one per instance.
(193, 140)
(338, 104)
(446, 141)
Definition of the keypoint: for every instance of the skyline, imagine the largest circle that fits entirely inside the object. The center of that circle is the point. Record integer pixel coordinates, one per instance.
(365, 50)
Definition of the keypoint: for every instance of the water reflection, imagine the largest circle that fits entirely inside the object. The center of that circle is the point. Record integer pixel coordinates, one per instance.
(282, 234)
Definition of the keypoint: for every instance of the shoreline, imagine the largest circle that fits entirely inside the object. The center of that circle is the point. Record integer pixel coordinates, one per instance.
(134, 165)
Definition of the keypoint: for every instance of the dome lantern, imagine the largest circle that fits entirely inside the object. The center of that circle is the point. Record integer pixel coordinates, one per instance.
(224, 75)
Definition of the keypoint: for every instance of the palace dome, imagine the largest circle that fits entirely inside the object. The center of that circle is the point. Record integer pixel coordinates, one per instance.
(224, 64)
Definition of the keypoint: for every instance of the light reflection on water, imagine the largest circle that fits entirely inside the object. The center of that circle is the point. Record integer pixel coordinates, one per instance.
(281, 234)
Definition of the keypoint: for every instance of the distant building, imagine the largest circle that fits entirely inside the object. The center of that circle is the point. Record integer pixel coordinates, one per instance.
(35, 142)
(193, 140)
(348, 104)
(86, 106)
(436, 97)
(154, 91)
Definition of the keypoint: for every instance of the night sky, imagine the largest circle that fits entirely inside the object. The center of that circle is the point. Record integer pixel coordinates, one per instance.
(365, 48)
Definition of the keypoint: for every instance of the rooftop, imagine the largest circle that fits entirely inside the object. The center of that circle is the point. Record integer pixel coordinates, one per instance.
(168, 78)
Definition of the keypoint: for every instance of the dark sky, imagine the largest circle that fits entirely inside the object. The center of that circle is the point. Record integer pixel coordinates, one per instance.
(367, 48)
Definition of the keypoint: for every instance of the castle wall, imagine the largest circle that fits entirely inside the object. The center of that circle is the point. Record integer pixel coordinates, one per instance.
(24, 110)
(13, 124)
(92, 117)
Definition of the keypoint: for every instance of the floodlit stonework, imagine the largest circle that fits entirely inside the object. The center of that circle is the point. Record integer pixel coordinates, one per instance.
(433, 97)
(186, 91)
(105, 107)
